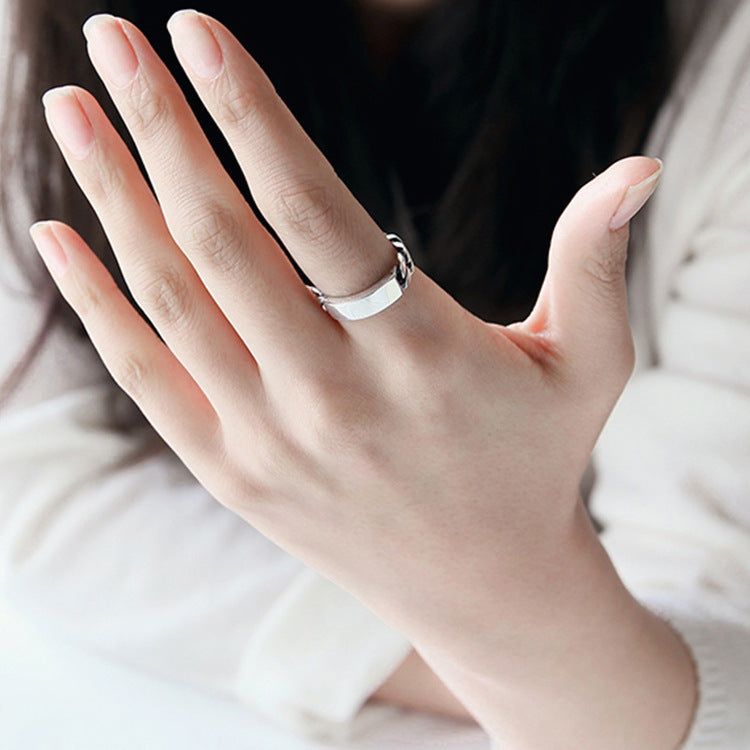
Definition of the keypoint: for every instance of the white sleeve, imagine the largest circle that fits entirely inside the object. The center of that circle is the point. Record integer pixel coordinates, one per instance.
(115, 546)
(673, 492)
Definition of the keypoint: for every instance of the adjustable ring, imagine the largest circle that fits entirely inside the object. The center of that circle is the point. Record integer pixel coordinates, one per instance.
(375, 298)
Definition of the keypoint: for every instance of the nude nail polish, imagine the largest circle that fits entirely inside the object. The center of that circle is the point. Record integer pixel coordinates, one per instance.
(110, 49)
(69, 123)
(195, 44)
(636, 197)
(49, 248)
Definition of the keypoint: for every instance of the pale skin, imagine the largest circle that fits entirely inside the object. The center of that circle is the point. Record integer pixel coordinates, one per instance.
(423, 459)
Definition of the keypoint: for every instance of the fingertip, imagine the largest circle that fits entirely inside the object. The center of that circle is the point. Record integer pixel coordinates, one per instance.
(58, 92)
(90, 24)
(195, 44)
(178, 15)
(49, 247)
(37, 228)
(637, 195)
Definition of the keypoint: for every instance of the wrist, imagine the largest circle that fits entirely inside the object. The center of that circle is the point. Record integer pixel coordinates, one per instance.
(579, 663)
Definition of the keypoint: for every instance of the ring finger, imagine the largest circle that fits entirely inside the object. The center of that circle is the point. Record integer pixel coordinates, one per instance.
(161, 279)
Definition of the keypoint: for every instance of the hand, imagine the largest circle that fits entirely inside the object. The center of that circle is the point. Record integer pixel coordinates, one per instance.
(425, 460)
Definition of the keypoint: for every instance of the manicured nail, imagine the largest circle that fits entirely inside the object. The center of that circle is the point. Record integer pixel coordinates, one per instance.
(195, 44)
(110, 49)
(69, 123)
(49, 248)
(636, 197)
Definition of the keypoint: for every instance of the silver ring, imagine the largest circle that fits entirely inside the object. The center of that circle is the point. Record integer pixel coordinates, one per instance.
(377, 297)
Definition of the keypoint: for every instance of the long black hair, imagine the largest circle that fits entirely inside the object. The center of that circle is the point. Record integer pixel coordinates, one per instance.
(469, 144)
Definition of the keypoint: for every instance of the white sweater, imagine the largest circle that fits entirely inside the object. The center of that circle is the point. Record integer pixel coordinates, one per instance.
(124, 553)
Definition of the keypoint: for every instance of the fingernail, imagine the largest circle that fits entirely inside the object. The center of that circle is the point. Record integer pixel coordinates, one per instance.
(49, 248)
(636, 197)
(69, 123)
(110, 49)
(195, 44)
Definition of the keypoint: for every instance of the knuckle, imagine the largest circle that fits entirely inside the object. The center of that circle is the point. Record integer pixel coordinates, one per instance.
(240, 103)
(165, 298)
(216, 233)
(418, 355)
(439, 409)
(269, 466)
(340, 418)
(244, 494)
(606, 268)
(237, 106)
(148, 110)
(272, 462)
(89, 299)
(239, 99)
(130, 373)
(311, 211)
(264, 454)
(106, 181)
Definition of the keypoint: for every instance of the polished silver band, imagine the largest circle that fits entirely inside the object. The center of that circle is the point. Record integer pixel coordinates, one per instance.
(377, 297)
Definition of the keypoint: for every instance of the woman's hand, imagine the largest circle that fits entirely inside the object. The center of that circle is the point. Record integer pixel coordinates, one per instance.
(425, 460)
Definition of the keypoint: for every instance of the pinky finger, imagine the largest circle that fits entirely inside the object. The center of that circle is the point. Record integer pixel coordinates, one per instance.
(140, 363)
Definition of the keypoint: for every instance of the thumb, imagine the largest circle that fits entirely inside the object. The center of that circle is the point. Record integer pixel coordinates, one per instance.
(582, 307)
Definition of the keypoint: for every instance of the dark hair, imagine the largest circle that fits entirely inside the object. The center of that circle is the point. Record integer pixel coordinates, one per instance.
(491, 106)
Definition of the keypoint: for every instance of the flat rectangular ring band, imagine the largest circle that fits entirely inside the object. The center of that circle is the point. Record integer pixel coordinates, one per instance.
(377, 297)
(366, 303)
